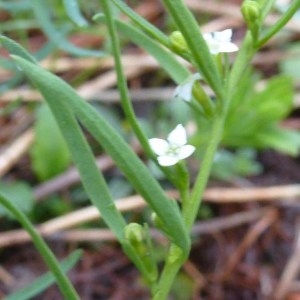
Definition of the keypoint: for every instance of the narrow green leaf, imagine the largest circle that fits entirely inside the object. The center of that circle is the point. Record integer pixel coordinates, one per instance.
(73, 11)
(153, 31)
(165, 58)
(82, 155)
(55, 35)
(15, 6)
(61, 97)
(63, 282)
(92, 178)
(15, 48)
(44, 281)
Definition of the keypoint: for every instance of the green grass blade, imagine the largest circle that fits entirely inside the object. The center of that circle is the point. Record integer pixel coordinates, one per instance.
(63, 282)
(15, 6)
(46, 280)
(153, 31)
(165, 58)
(42, 15)
(122, 80)
(15, 48)
(73, 10)
(92, 178)
(82, 155)
(61, 97)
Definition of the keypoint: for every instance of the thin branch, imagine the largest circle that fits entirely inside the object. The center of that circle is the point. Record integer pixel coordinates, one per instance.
(291, 270)
(15, 151)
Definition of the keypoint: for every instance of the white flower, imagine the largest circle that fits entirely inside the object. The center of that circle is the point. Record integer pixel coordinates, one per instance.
(184, 90)
(220, 41)
(173, 149)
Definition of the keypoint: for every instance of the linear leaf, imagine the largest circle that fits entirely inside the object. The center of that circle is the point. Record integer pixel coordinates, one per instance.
(82, 155)
(55, 35)
(165, 58)
(44, 281)
(15, 48)
(15, 6)
(73, 11)
(142, 23)
(62, 280)
(61, 98)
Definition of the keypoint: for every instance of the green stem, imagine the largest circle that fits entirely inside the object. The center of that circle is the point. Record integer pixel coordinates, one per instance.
(123, 90)
(205, 101)
(280, 23)
(175, 257)
(62, 280)
(192, 208)
(242, 60)
(184, 181)
(245, 54)
(122, 85)
(175, 260)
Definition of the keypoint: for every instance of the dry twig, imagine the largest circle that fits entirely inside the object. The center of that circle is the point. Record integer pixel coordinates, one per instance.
(57, 227)
(253, 234)
(291, 270)
(136, 202)
(15, 151)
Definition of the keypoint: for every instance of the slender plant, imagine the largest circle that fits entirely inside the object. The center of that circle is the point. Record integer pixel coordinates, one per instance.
(208, 54)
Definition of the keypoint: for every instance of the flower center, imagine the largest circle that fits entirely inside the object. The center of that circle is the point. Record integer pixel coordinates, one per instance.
(173, 150)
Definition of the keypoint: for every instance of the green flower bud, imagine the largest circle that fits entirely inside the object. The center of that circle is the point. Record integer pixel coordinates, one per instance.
(177, 42)
(139, 248)
(251, 11)
(134, 234)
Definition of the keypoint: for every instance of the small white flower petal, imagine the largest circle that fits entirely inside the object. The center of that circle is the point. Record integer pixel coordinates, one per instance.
(208, 37)
(167, 160)
(174, 149)
(194, 77)
(186, 151)
(214, 47)
(228, 47)
(177, 137)
(223, 36)
(184, 90)
(159, 146)
(220, 41)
